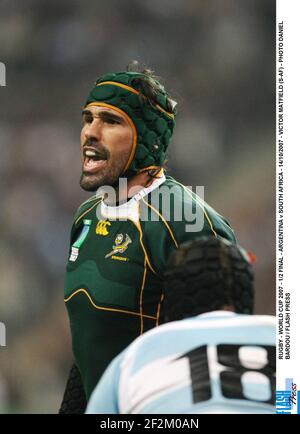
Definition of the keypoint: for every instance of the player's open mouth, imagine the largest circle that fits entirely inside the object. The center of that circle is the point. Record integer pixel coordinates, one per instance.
(93, 160)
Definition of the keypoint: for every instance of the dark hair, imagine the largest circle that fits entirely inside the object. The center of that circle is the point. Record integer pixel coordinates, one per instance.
(207, 274)
(149, 85)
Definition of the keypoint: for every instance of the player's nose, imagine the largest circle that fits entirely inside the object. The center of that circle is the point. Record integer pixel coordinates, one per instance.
(94, 130)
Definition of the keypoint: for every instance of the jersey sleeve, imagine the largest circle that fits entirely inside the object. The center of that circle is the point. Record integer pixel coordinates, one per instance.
(79, 215)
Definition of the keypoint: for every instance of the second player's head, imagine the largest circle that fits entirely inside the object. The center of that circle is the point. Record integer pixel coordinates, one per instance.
(128, 121)
(207, 274)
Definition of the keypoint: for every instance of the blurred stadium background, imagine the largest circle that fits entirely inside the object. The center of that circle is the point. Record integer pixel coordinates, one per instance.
(217, 58)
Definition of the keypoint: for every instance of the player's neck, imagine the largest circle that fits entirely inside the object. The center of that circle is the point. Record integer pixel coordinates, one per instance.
(133, 186)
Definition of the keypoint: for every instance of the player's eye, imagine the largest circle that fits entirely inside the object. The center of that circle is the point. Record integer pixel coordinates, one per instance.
(87, 118)
(110, 120)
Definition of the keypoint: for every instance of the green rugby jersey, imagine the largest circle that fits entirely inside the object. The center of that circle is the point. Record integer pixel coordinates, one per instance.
(114, 279)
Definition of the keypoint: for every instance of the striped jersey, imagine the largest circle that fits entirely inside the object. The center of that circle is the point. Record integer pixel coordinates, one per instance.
(218, 362)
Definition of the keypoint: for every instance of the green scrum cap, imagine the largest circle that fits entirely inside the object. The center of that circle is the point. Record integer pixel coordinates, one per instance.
(151, 121)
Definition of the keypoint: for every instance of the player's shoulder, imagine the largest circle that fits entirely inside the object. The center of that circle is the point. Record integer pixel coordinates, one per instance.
(85, 206)
(206, 328)
(264, 319)
(162, 331)
(227, 319)
(165, 335)
(171, 199)
(215, 319)
(178, 192)
(185, 211)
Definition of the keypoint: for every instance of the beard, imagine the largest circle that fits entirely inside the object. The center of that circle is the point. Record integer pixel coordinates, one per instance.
(106, 176)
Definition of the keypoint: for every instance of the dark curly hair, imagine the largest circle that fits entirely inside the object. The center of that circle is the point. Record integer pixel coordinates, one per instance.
(207, 274)
(149, 85)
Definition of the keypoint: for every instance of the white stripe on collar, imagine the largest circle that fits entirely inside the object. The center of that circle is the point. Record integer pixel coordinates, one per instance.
(128, 210)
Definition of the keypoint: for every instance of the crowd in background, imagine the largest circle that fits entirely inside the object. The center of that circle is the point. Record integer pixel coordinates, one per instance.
(217, 60)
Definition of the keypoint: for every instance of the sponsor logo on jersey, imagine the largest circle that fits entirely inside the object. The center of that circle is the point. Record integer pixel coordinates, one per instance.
(101, 228)
(119, 247)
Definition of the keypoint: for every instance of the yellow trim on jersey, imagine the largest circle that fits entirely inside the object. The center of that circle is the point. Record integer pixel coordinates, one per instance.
(158, 309)
(163, 220)
(131, 89)
(90, 199)
(141, 295)
(84, 291)
(85, 212)
(139, 228)
(129, 120)
(197, 199)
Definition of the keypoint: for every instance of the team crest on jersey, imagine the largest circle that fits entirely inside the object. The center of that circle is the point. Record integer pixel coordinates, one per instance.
(102, 227)
(119, 247)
